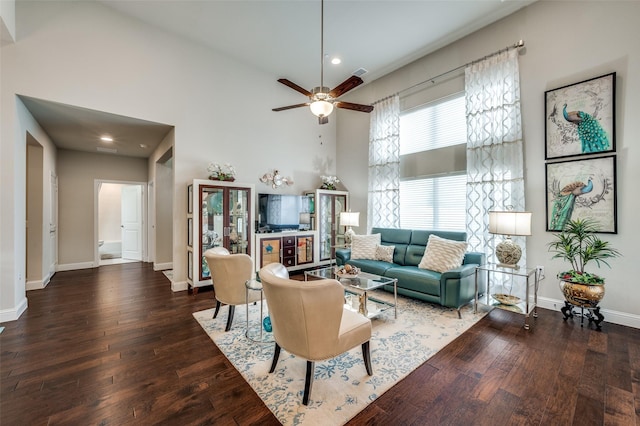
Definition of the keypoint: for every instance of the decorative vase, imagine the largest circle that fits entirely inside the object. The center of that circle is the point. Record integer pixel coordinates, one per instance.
(328, 186)
(584, 295)
(223, 178)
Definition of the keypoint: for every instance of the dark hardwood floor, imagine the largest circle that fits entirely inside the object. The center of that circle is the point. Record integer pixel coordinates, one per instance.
(114, 346)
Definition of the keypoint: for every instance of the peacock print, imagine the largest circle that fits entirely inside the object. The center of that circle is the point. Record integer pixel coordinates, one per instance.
(564, 202)
(593, 137)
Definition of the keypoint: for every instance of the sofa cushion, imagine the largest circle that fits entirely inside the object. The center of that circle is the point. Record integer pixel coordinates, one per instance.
(442, 255)
(396, 237)
(364, 246)
(414, 279)
(385, 253)
(377, 267)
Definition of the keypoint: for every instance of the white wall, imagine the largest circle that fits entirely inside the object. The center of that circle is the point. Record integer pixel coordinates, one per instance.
(110, 212)
(77, 173)
(566, 42)
(13, 161)
(8, 20)
(87, 55)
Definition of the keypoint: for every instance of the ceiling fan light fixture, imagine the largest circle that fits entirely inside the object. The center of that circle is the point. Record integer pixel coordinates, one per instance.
(321, 108)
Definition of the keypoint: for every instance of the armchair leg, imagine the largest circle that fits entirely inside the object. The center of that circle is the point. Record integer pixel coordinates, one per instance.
(366, 355)
(232, 310)
(276, 355)
(215, 314)
(308, 382)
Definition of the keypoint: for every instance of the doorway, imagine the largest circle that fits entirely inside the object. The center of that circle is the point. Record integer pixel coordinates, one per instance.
(121, 236)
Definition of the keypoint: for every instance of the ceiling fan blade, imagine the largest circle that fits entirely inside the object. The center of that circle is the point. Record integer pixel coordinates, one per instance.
(290, 107)
(345, 86)
(294, 86)
(354, 107)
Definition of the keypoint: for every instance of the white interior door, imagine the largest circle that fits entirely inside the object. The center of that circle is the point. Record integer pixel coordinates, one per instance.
(132, 222)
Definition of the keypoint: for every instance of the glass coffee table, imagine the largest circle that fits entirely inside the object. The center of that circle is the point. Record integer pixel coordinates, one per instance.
(357, 290)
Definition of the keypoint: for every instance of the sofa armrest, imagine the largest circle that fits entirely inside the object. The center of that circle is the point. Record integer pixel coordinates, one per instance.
(342, 255)
(474, 257)
(459, 272)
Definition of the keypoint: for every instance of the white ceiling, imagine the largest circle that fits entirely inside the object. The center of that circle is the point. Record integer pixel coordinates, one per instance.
(283, 38)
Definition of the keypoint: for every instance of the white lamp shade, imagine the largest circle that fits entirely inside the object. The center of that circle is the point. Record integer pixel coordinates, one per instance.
(510, 223)
(321, 108)
(350, 218)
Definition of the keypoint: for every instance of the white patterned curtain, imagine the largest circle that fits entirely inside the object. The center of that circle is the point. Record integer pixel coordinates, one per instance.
(384, 164)
(494, 147)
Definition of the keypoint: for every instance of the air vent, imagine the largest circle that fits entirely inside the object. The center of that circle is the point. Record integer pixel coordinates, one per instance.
(109, 150)
(359, 72)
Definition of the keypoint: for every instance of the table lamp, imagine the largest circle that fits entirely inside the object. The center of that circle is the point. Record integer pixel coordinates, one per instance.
(349, 219)
(509, 223)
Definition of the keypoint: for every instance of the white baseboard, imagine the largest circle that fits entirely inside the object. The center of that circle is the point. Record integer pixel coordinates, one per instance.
(179, 286)
(34, 285)
(13, 314)
(74, 266)
(615, 317)
(38, 284)
(162, 266)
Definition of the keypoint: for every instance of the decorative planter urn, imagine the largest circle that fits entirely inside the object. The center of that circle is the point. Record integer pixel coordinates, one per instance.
(583, 295)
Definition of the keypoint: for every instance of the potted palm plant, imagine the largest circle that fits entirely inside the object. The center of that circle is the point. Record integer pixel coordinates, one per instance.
(579, 245)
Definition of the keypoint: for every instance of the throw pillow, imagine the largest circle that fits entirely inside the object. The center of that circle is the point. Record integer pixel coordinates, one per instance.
(442, 255)
(385, 253)
(364, 246)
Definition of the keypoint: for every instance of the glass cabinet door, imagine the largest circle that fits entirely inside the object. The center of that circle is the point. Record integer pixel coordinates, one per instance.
(224, 221)
(211, 223)
(325, 225)
(238, 223)
(331, 233)
(339, 206)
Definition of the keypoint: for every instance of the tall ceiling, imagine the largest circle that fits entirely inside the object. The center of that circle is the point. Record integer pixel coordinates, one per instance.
(283, 38)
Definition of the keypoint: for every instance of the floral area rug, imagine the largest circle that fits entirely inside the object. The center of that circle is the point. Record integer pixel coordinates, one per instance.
(341, 387)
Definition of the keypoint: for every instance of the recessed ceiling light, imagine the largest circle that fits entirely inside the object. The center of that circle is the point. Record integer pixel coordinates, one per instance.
(336, 61)
(142, 145)
(106, 138)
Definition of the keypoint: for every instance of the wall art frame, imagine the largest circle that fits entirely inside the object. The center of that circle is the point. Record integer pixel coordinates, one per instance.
(580, 118)
(582, 188)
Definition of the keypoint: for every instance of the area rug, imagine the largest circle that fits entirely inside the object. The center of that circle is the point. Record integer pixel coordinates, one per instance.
(341, 387)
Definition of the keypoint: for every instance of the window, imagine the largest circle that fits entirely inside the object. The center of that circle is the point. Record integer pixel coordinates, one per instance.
(433, 194)
(435, 125)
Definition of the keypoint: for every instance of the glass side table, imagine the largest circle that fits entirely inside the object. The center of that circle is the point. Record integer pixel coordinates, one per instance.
(527, 305)
(256, 336)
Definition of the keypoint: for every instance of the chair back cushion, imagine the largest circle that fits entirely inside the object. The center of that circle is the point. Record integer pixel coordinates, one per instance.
(305, 315)
(229, 273)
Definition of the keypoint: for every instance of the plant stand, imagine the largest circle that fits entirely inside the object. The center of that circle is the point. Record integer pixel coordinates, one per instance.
(593, 314)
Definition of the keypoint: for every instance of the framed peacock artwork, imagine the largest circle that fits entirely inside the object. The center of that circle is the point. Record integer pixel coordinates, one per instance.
(580, 118)
(582, 188)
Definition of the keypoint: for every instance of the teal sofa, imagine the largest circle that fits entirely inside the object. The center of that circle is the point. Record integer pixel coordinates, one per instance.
(453, 289)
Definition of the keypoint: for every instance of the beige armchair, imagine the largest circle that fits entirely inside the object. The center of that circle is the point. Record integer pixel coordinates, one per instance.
(309, 320)
(229, 273)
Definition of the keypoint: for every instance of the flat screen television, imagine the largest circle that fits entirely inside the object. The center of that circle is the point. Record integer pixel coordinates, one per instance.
(282, 212)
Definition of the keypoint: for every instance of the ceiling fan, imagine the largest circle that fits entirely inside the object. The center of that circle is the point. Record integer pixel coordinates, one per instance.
(321, 98)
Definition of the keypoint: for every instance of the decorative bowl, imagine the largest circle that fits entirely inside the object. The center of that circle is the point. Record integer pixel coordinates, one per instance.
(506, 299)
(342, 272)
(347, 276)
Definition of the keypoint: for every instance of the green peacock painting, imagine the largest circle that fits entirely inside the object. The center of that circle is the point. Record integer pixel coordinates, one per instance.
(593, 137)
(564, 203)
